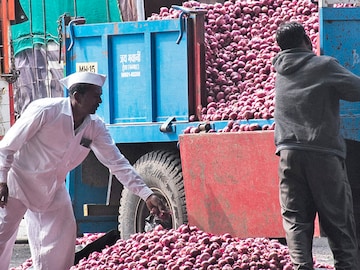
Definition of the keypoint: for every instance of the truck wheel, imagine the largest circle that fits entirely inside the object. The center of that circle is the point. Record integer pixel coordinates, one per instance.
(161, 171)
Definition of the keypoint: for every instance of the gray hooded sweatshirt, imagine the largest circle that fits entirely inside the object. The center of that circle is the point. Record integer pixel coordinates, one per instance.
(308, 89)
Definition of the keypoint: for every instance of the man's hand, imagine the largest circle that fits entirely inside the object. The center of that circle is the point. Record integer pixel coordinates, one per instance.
(4, 194)
(156, 206)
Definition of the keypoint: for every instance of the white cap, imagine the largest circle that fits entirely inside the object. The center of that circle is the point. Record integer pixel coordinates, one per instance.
(83, 77)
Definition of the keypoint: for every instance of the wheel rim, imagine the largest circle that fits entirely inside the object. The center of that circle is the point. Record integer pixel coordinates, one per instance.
(142, 212)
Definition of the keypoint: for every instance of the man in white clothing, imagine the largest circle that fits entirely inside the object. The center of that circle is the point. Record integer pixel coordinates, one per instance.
(52, 137)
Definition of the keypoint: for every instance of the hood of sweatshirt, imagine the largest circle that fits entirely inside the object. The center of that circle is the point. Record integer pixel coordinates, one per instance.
(289, 61)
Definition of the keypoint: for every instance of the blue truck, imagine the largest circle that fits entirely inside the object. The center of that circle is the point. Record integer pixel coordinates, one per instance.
(155, 82)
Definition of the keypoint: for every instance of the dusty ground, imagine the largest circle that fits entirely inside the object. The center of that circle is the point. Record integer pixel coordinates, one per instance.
(21, 253)
(322, 252)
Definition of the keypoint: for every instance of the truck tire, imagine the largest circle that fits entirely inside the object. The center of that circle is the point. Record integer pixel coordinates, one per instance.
(161, 171)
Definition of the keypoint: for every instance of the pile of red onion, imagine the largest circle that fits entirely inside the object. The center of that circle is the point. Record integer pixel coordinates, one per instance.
(188, 248)
(184, 248)
(240, 45)
(88, 238)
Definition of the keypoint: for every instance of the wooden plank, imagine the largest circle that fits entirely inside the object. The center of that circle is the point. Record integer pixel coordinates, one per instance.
(100, 210)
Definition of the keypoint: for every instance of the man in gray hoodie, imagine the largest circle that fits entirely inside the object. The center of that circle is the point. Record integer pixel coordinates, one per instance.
(312, 172)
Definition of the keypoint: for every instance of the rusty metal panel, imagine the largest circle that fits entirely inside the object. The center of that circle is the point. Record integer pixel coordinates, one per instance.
(231, 183)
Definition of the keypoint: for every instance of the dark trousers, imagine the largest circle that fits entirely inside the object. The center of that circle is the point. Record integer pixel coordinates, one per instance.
(353, 169)
(310, 183)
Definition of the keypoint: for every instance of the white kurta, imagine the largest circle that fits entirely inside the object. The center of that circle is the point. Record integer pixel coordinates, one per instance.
(35, 156)
(42, 147)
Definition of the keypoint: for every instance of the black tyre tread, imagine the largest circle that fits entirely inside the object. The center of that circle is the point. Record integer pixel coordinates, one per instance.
(170, 159)
(164, 169)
